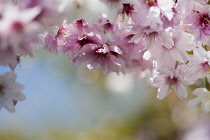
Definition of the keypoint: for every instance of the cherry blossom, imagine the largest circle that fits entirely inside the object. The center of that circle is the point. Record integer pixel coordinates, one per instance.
(10, 91)
(203, 96)
(149, 13)
(169, 79)
(198, 66)
(200, 23)
(169, 55)
(18, 33)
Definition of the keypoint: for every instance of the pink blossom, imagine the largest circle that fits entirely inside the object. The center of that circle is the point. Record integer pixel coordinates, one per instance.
(18, 33)
(168, 55)
(198, 66)
(200, 23)
(185, 7)
(103, 25)
(10, 91)
(49, 11)
(108, 57)
(81, 34)
(68, 39)
(169, 79)
(7, 57)
(132, 52)
(151, 37)
(52, 43)
(149, 13)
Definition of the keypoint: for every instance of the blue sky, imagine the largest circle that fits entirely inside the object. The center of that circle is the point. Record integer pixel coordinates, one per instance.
(56, 97)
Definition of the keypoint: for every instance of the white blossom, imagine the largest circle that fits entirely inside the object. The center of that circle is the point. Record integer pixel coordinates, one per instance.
(203, 96)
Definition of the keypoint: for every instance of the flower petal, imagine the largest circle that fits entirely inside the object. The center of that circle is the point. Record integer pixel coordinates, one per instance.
(163, 92)
(192, 103)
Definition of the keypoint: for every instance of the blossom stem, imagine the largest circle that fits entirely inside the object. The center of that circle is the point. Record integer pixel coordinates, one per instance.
(177, 63)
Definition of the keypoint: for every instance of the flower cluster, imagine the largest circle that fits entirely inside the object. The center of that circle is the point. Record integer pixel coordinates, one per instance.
(104, 44)
(168, 39)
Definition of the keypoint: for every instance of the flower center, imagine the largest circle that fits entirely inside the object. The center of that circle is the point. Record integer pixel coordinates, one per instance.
(17, 26)
(152, 35)
(204, 19)
(127, 8)
(81, 23)
(83, 41)
(101, 52)
(206, 66)
(171, 81)
(151, 2)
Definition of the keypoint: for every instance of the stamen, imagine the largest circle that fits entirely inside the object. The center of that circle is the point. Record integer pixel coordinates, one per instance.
(151, 2)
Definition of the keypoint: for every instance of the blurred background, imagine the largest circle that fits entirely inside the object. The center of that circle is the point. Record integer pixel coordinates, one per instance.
(64, 102)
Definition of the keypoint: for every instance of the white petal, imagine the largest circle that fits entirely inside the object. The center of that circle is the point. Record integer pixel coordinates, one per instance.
(163, 92)
(166, 8)
(18, 96)
(158, 80)
(9, 105)
(136, 38)
(154, 12)
(206, 106)
(192, 103)
(176, 55)
(166, 39)
(181, 91)
(201, 91)
(9, 76)
(31, 13)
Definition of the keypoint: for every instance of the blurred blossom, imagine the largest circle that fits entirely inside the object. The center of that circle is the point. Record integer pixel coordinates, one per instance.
(18, 33)
(200, 131)
(183, 117)
(203, 96)
(10, 91)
